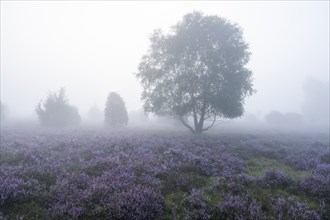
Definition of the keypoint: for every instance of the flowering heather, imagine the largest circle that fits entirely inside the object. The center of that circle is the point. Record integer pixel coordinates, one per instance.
(318, 182)
(274, 179)
(292, 209)
(100, 174)
(195, 207)
(237, 207)
(304, 160)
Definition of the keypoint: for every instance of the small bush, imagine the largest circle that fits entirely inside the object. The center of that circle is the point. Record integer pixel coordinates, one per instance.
(292, 209)
(195, 207)
(115, 113)
(317, 184)
(57, 112)
(237, 207)
(274, 179)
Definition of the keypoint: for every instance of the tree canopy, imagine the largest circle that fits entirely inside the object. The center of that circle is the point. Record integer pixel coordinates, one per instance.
(197, 70)
(57, 112)
(115, 112)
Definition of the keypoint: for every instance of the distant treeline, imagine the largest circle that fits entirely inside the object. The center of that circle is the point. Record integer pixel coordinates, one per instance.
(56, 111)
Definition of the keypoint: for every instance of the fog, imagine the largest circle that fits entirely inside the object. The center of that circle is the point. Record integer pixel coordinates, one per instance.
(94, 48)
(164, 110)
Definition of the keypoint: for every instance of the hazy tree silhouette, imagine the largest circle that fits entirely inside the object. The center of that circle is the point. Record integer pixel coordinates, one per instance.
(287, 119)
(95, 115)
(196, 70)
(2, 112)
(138, 117)
(274, 117)
(57, 112)
(115, 112)
(316, 103)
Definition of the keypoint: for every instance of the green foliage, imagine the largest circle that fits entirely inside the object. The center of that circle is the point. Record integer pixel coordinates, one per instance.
(196, 71)
(257, 167)
(57, 112)
(2, 112)
(115, 113)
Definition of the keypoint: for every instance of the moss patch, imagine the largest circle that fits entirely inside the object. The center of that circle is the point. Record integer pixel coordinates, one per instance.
(256, 167)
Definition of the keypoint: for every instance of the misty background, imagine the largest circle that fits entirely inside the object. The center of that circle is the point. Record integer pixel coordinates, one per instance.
(93, 48)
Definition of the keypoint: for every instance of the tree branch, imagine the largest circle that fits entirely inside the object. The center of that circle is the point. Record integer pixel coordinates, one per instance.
(186, 124)
(208, 127)
(195, 118)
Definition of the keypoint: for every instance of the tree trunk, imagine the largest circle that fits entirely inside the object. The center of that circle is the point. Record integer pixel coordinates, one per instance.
(199, 124)
(198, 131)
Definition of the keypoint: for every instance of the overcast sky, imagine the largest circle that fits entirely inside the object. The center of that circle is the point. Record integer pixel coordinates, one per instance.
(92, 48)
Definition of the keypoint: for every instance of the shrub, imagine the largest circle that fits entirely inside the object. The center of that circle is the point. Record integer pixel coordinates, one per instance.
(57, 112)
(292, 209)
(114, 194)
(317, 184)
(274, 179)
(195, 207)
(304, 160)
(237, 207)
(115, 113)
(2, 112)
